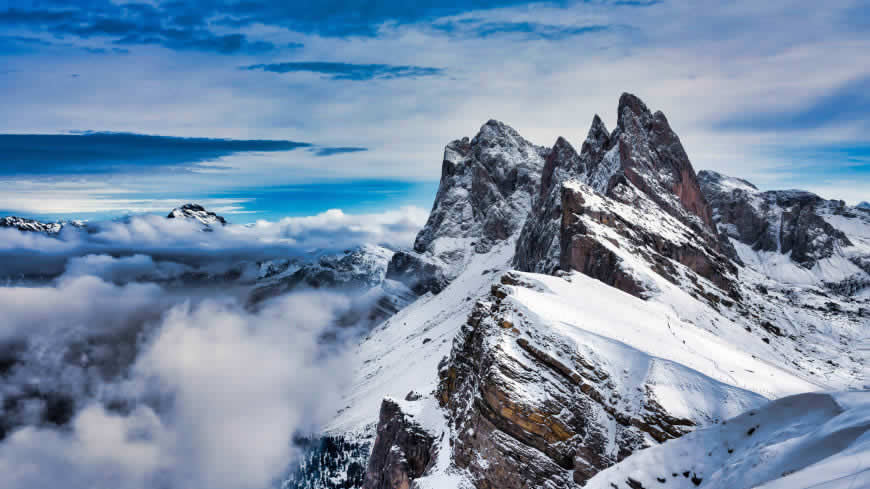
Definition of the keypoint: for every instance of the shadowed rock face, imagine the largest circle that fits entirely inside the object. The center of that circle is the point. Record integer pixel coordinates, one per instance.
(642, 159)
(402, 451)
(538, 248)
(785, 221)
(644, 150)
(581, 250)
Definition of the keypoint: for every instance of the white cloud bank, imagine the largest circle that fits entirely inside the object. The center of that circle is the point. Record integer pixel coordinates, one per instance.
(212, 399)
(176, 245)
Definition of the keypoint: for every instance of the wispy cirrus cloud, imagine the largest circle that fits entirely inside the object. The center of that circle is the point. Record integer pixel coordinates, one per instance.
(172, 25)
(349, 71)
(482, 28)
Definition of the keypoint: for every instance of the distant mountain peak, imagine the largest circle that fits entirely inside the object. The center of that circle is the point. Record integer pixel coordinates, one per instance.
(32, 225)
(197, 212)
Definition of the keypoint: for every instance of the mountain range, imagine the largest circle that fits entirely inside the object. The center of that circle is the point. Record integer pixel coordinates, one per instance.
(609, 318)
(605, 317)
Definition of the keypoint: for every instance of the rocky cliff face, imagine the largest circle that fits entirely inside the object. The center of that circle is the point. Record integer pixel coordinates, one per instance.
(640, 165)
(486, 190)
(790, 222)
(402, 451)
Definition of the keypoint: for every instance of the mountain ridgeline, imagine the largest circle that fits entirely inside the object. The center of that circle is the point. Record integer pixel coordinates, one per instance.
(579, 307)
(563, 314)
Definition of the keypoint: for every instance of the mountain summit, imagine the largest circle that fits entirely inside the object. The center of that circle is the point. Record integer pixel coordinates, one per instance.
(580, 307)
(198, 213)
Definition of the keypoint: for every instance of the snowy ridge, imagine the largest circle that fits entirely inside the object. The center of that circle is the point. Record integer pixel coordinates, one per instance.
(402, 354)
(803, 441)
(792, 236)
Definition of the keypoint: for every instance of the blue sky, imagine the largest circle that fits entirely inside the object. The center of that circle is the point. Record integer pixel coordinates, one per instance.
(109, 107)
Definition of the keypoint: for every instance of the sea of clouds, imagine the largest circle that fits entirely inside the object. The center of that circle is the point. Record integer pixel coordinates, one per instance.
(110, 378)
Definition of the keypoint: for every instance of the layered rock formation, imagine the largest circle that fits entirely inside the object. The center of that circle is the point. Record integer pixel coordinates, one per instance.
(640, 165)
(555, 375)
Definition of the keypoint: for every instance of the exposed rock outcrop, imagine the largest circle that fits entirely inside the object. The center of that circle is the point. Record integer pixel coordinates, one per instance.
(640, 165)
(402, 450)
(522, 396)
(784, 221)
(486, 190)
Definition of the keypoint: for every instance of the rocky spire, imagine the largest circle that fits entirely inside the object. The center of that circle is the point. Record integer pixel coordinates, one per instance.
(538, 245)
(486, 192)
(642, 165)
(644, 150)
(596, 141)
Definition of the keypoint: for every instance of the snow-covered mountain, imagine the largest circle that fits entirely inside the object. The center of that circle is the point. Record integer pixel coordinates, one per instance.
(578, 308)
(793, 236)
(197, 212)
(32, 225)
(360, 272)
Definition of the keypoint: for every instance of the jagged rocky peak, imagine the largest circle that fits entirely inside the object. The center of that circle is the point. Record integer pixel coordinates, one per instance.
(480, 180)
(635, 183)
(791, 222)
(645, 150)
(538, 247)
(197, 212)
(487, 187)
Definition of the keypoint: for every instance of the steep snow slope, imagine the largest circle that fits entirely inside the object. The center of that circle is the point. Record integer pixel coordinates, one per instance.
(402, 354)
(578, 305)
(814, 440)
